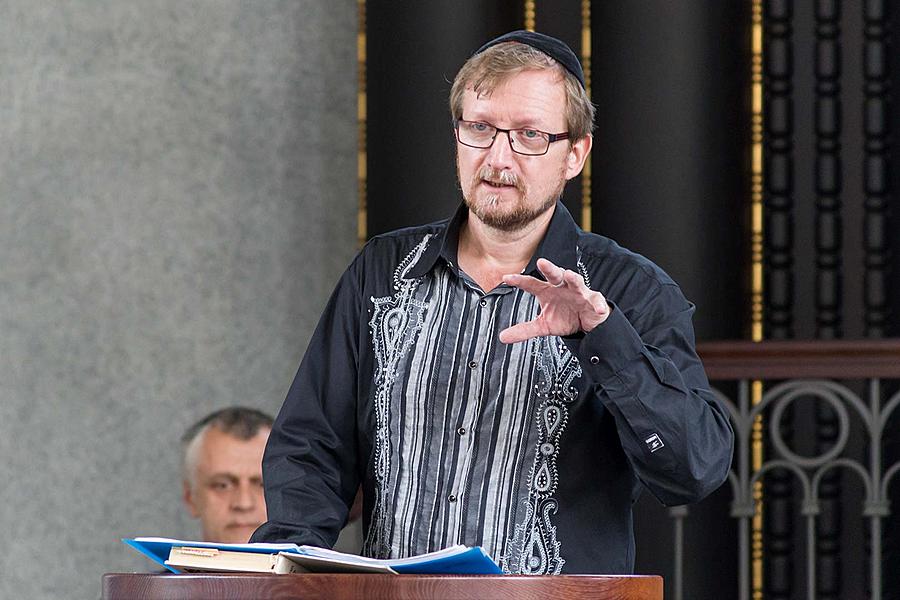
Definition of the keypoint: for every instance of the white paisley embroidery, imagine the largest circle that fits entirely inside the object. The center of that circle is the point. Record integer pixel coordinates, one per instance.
(534, 548)
(395, 322)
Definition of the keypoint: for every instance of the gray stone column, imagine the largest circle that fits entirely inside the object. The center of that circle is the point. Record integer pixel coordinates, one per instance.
(177, 199)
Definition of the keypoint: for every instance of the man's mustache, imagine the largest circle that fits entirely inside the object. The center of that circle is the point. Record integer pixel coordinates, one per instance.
(499, 177)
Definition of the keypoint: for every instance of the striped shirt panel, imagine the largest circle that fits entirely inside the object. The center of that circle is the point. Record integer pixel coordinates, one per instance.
(460, 417)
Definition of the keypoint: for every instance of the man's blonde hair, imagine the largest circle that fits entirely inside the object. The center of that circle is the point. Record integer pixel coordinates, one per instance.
(486, 70)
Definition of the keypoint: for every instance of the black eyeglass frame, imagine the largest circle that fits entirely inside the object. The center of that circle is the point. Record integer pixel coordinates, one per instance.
(551, 137)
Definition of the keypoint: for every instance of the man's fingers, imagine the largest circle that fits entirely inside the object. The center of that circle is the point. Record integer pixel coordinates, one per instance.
(525, 282)
(555, 275)
(574, 279)
(521, 332)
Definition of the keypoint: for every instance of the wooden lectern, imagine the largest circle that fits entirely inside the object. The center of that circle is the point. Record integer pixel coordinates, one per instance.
(328, 586)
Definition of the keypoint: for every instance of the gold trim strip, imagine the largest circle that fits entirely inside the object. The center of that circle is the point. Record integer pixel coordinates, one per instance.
(756, 279)
(362, 229)
(586, 206)
(756, 173)
(530, 13)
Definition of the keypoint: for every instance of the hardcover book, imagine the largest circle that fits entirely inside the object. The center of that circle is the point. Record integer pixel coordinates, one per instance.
(197, 560)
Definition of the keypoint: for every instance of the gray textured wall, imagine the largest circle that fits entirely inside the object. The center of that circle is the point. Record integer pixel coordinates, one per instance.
(177, 199)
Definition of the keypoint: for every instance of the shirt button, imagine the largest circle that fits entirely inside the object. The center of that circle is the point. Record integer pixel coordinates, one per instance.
(461, 431)
(483, 303)
(451, 498)
(473, 365)
(595, 360)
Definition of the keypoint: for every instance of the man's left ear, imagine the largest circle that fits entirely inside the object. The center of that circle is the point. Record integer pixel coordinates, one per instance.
(187, 496)
(578, 153)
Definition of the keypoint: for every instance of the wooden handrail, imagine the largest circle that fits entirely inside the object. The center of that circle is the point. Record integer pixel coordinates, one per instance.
(795, 359)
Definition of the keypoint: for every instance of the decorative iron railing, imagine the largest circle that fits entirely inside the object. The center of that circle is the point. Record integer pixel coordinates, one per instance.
(821, 371)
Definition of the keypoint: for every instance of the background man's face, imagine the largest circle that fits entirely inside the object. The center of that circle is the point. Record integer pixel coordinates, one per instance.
(225, 489)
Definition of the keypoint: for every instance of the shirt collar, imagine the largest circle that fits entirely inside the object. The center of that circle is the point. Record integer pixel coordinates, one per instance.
(557, 246)
(443, 245)
(559, 243)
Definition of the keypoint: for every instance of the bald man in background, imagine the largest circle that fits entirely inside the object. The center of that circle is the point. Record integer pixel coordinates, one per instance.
(222, 483)
(222, 477)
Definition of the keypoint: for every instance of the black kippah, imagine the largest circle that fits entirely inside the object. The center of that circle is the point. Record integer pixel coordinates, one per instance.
(552, 47)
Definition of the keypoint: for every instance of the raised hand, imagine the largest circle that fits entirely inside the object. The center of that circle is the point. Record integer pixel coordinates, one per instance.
(567, 304)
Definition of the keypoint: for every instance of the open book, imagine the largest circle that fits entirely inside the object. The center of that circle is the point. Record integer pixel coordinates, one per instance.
(181, 556)
(190, 559)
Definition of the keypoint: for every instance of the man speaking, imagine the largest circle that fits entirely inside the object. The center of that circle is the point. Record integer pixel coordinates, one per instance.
(501, 378)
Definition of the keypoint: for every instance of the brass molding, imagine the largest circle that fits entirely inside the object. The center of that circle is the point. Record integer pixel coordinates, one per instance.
(756, 278)
(362, 230)
(756, 173)
(586, 216)
(530, 11)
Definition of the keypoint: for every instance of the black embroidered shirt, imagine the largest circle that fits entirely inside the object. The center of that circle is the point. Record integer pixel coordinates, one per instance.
(534, 450)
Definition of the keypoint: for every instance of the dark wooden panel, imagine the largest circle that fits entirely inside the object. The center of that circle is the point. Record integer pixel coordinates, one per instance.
(778, 168)
(876, 170)
(779, 279)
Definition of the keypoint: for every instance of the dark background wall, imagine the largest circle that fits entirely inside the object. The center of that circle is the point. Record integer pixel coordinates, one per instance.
(671, 181)
(413, 52)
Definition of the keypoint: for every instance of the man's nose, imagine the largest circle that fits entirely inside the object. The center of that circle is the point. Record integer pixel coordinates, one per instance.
(500, 154)
(245, 496)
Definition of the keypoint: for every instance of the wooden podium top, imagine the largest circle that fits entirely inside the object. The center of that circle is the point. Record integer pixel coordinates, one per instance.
(244, 586)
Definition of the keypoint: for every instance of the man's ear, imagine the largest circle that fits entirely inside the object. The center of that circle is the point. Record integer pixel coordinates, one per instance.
(188, 498)
(578, 154)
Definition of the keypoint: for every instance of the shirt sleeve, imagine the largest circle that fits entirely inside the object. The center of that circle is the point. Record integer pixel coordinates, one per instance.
(310, 469)
(675, 433)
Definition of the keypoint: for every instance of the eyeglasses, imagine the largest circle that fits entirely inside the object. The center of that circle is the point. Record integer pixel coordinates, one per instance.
(530, 142)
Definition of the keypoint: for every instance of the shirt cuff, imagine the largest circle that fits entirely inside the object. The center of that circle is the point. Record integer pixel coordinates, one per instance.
(608, 347)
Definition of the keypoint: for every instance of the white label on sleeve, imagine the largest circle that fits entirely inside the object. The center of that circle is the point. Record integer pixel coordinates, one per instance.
(654, 443)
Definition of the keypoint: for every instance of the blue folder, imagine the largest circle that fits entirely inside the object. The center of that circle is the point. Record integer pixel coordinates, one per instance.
(454, 561)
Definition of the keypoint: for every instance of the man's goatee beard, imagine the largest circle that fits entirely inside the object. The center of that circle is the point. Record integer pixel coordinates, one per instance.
(517, 217)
